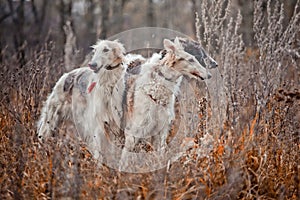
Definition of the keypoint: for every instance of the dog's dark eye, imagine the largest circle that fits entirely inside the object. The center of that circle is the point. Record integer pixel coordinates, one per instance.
(191, 60)
(105, 50)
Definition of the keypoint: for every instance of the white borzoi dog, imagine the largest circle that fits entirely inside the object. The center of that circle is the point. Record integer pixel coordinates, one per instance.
(88, 86)
(153, 105)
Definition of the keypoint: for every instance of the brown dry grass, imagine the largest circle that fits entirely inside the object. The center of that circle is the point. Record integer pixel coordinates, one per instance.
(256, 156)
(261, 162)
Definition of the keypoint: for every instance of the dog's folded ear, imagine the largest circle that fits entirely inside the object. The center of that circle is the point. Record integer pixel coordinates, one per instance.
(172, 46)
(169, 45)
(115, 63)
(119, 52)
(177, 43)
(118, 49)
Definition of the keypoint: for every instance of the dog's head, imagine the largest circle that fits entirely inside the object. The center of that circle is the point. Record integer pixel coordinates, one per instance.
(194, 48)
(184, 62)
(107, 54)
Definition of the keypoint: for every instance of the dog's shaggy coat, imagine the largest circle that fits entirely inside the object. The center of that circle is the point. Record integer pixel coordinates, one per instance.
(155, 92)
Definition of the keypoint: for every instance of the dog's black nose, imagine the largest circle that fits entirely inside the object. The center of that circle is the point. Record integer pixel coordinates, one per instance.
(93, 65)
(213, 64)
(208, 76)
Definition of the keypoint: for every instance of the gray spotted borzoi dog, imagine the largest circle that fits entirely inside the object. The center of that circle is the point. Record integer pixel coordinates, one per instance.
(153, 104)
(58, 106)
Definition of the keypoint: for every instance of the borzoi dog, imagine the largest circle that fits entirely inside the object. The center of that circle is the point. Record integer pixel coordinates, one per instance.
(155, 92)
(58, 106)
(91, 91)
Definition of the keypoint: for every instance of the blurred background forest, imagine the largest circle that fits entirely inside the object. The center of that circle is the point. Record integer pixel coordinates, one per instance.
(254, 155)
(29, 24)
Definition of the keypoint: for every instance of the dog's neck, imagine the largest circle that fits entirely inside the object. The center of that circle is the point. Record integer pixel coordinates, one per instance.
(167, 67)
(110, 77)
(112, 67)
(169, 59)
(167, 73)
(115, 64)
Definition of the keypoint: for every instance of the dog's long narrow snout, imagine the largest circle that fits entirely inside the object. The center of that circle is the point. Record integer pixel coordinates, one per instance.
(204, 72)
(92, 65)
(206, 75)
(213, 64)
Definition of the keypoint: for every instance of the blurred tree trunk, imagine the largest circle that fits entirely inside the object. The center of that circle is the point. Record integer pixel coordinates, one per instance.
(43, 11)
(34, 12)
(102, 30)
(3, 16)
(39, 13)
(168, 13)
(18, 35)
(88, 37)
(117, 15)
(39, 16)
(150, 14)
(1, 47)
(71, 52)
(89, 15)
(3, 12)
(65, 13)
(68, 34)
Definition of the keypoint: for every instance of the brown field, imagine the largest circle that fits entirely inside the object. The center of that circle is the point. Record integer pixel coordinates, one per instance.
(255, 154)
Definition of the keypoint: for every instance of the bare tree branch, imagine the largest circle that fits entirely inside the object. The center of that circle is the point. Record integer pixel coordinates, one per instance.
(34, 11)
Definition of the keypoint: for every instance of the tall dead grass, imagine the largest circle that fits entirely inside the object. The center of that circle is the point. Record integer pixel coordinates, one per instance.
(254, 156)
